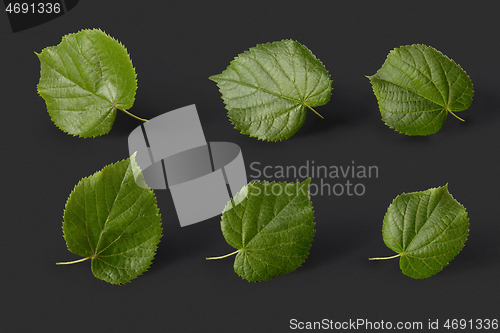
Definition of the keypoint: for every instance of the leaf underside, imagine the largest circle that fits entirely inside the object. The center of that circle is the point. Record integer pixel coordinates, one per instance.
(417, 87)
(268, 89)
(116, 223)
(428, 229)
(84, 80)
(273, 228)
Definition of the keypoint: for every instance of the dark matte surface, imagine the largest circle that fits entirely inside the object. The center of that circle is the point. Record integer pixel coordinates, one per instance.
(174, 48)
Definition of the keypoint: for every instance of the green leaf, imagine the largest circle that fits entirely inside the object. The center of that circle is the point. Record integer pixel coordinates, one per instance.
(84, 80)
(268, 89)
(113, 222)
(417, 87)
(272, 228)
(427, 229)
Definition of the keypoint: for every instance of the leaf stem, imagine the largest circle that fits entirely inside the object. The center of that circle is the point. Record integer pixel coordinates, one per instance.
(72, 262)
(310, 108)
(133, 115)
(454, 115)
(385, 258)
(224, 256)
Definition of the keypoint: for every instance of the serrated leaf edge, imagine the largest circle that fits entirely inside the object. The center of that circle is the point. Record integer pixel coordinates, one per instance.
(114, 108)
(239, 252)
(133, 164)
(402, 254)
(300, 103)
(445, 108)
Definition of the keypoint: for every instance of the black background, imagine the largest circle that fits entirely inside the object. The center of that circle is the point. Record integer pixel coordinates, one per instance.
(175, 46)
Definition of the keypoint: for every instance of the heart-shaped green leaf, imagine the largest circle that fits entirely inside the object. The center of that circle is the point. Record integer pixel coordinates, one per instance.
(272, 228)
(268, 89)
(427, 229)
(84, 80)
(113, 222)
(417, 87)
